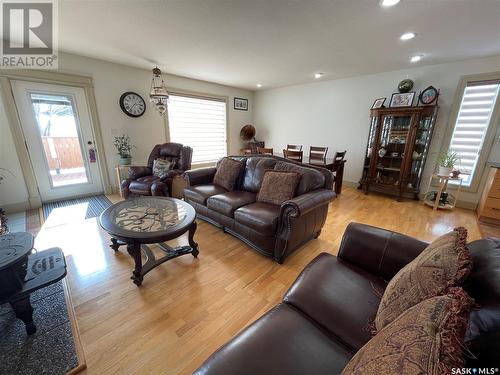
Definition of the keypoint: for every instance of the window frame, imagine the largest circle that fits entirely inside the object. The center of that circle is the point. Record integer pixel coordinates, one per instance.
(199, 95)
(490, 135)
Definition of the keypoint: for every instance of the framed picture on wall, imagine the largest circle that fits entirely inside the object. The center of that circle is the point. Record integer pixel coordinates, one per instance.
(404, 99)
(241, 104)
(378, 103)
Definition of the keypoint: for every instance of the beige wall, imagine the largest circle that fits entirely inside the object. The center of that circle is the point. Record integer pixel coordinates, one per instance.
(110, 81)
(336, 113)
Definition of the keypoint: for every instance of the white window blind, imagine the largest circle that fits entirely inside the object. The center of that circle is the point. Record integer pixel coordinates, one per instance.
(473, 120)
(199, 123)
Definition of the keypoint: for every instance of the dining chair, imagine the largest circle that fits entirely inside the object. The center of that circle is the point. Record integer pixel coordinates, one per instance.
(264, 150)
(293, 155)
(317, 154)
(246, 151)
(294, 147)
(339, 156)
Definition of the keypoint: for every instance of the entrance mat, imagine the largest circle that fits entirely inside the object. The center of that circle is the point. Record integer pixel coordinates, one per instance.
(95, 205)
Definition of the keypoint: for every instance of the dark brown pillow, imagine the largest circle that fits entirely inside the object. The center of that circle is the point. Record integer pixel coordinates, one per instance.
(428, 338)
(445, 263)
(278, 186)
(227, 173)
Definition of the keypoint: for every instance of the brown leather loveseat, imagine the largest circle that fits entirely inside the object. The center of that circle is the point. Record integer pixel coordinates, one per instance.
(141, 180)
(275, 231)
(324, 317)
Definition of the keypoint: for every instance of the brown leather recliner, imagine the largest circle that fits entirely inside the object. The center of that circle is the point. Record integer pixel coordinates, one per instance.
(141, 180)
(324, 317)
(275, 231)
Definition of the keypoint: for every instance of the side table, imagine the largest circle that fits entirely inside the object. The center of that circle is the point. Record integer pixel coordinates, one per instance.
(435, 202)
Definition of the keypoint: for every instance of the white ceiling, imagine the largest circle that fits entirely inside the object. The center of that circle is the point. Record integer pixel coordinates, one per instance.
(277, 42)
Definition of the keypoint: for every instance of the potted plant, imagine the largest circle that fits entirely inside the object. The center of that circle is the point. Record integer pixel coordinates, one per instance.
(124, 148)
(446, 161)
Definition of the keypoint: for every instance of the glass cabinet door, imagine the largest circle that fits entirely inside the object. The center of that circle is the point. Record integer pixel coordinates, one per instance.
(370, 145)
(420, 149)
(393, 138)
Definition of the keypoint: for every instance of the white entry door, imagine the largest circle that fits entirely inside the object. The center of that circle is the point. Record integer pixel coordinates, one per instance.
(58, 133)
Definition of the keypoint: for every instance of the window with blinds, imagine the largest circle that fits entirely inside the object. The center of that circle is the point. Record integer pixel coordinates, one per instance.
(199, 123)
(473, 120)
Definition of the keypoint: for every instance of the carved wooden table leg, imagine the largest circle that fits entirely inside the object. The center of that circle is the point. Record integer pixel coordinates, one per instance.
(24, 311)
(135, 252)
(192, 243)
(115, 245)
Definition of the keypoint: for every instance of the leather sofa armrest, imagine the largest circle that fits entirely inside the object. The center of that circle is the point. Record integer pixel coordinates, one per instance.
(379, 251)
(171, 174)
(200, 176)
(136, 172)
(305, 203)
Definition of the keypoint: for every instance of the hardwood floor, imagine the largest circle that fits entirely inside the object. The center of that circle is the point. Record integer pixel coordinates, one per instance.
(188, 307)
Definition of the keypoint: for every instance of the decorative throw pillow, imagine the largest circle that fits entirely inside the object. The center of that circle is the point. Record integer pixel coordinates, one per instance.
(161, 167)
(428, 338)
(227, 173)
(278, 186)
(446, 262)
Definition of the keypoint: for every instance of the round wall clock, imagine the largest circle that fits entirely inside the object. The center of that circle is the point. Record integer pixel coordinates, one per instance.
(429, 95)
(132, 104)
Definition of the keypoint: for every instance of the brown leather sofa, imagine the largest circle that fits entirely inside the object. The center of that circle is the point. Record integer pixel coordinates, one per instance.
(324, 317)
(141, 180)
(275, 231)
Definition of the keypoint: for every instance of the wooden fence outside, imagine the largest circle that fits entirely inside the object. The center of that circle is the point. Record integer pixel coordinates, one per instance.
(63, 152)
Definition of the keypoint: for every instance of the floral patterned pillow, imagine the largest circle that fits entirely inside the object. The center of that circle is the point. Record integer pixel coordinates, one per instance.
(161, 167)
(446, 262)
(428, 338)
(278, 186)
(227, 173)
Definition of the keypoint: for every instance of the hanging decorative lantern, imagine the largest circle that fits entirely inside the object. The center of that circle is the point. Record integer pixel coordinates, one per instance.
(158, 94)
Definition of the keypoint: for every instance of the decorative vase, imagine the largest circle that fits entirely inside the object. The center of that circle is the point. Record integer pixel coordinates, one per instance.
(405, 85)
(125, 161)
(444, 171)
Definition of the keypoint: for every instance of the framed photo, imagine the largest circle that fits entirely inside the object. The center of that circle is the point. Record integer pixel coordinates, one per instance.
(378, 103)
(402, 99)
(241, 104)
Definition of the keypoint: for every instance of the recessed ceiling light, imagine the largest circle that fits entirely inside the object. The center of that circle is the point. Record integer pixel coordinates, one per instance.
(407, 36)
(416, 58)
(318, 75)
(259, 85)
(389, 3)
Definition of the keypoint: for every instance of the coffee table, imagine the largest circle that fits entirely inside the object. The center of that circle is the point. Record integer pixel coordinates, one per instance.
(139, 221)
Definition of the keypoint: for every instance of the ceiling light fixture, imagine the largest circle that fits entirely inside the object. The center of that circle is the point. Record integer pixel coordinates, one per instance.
(158, 94)
(259, 85)
(408, 36)
(416, 58)
(318, 75)
(389, 3)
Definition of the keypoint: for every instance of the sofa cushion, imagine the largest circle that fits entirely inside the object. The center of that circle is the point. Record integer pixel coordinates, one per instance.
(283, 341)
(261, 217)
(255, 168)
(428, 338)
(200, 193)
(278, 186)
(339, 296)
(227, 173)
(228, 202)
(311, 179)
(445, 262)
(143, 184)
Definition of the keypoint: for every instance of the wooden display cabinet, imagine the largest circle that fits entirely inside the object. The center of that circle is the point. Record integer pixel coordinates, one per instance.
(397, 148)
